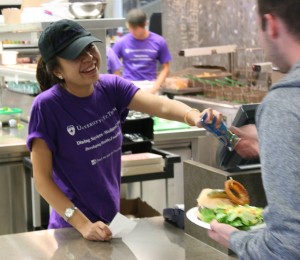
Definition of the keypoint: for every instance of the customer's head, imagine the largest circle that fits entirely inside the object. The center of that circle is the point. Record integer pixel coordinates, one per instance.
(136, 23)
(280, 26)
(61, 40)
(287, 10)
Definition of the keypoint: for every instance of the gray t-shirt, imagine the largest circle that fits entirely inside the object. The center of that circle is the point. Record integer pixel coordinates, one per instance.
(278, 125)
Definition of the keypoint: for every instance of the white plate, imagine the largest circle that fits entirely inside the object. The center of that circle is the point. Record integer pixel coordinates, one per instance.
(192, 216)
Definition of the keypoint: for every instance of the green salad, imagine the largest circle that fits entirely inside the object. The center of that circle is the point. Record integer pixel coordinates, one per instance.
(241, 217)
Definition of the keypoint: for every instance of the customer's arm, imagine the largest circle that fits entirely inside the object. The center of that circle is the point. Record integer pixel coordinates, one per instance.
(160, 78)
(42, 172)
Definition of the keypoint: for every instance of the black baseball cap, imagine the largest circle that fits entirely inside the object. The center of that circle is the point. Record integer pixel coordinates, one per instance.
(64, 38)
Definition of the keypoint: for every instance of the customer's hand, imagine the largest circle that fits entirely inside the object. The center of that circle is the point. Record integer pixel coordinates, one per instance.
(247, 147)
(221, 232)
(97, 231)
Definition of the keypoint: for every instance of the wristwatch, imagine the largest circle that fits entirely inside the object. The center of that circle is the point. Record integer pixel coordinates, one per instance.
(69, 212)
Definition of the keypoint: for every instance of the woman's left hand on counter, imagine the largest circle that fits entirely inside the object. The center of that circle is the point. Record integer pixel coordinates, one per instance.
(97, 231)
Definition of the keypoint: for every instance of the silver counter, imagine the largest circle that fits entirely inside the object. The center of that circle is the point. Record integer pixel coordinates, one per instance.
(13, 143)
(13, 194)
(151, 239)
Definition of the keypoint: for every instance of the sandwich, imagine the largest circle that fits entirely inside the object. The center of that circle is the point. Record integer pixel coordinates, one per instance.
(216, 204)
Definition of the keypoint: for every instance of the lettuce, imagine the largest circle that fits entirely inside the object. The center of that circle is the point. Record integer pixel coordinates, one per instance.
(241, 217)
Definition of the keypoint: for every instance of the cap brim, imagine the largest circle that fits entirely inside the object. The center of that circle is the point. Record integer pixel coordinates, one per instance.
(72, 51)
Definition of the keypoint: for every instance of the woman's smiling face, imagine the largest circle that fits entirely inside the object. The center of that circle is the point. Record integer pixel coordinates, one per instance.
(83, 71)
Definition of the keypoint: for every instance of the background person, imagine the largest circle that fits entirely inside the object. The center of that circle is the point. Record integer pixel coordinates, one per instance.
(75, 134)
(113, 63)
(140, 50)
(278, 125)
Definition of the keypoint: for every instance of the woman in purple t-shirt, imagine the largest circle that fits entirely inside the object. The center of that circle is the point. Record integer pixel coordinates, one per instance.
(75, 134)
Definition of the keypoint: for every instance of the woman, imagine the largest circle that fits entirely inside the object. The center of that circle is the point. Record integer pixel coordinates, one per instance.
(75, 134)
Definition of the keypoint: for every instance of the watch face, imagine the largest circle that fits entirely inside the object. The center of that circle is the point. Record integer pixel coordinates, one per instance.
(69, 212)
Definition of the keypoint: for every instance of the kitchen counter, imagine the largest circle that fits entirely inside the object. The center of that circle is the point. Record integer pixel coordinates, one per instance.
(151, 239)
(13, 142)
(178, 134)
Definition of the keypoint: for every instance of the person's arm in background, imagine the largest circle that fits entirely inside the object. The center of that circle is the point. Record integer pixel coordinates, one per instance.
(160, 78)
(118, 72)
(114, 64)
(247, 147)
(164, 57)
(41, 157)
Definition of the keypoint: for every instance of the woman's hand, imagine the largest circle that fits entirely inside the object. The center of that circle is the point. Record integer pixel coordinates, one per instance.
(210, 115)
(247, 147)
(221, 232)
(97, 231)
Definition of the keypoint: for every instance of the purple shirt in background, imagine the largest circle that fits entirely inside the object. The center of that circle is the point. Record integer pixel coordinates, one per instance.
(85, 138)
(140, 56)
(113, 63)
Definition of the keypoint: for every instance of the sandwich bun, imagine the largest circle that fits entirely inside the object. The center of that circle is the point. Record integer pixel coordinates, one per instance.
(206, 201)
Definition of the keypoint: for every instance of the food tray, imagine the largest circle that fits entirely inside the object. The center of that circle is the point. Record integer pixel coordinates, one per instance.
(7, 113)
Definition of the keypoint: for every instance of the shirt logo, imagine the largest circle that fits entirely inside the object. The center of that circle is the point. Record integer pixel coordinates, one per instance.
(71, 129)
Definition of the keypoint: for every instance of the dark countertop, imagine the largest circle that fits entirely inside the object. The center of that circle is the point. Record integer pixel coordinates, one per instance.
(151, 239)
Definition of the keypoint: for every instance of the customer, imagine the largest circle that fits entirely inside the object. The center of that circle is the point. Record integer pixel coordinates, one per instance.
(278, 124)
(140, 50)
(75, 134)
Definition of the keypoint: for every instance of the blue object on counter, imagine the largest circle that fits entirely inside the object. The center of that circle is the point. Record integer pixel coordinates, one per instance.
(174, 216)
(222, 133)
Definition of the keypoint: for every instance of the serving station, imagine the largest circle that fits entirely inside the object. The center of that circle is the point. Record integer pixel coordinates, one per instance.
(152, 238)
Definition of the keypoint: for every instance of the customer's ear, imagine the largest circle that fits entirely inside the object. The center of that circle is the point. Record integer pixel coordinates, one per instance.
(271, 25)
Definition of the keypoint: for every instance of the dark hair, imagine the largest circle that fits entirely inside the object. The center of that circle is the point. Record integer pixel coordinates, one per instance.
(287, 10)
(45, 75)
(136, 17)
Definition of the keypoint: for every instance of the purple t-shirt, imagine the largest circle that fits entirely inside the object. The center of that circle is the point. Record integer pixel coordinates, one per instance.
(112, 61)
(84, 135)
(140, 56)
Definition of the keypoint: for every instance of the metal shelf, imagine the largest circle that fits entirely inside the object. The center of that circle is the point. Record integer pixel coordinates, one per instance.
(24, 72)
(89, 24)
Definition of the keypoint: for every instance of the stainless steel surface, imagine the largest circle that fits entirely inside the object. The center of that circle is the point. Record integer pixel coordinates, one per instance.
(12, 198)
(183, 142)
(87, 10)
(151, 239)
(227, 109)
(177, 134)
(13, 143)
(89, 24)
(204, 51)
